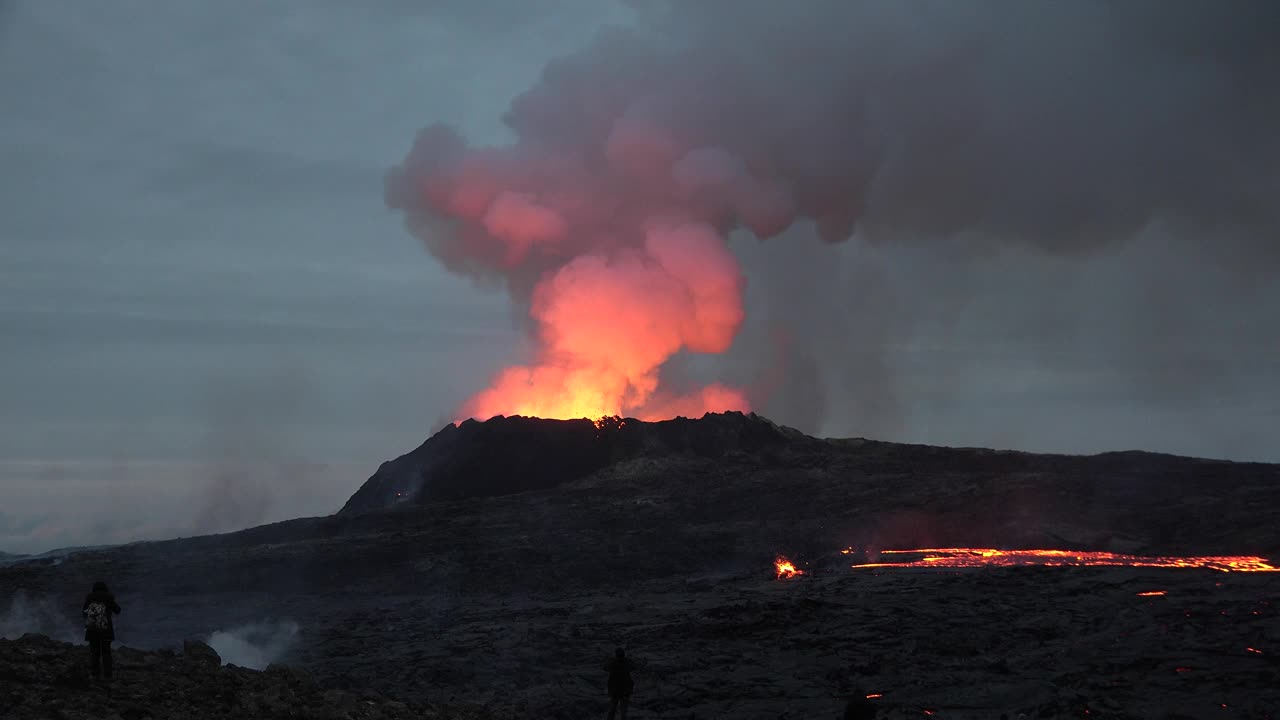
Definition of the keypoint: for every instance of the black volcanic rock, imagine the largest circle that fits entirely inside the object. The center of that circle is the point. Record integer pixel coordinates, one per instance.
(42, 678)
(506, 455)
(197, 652)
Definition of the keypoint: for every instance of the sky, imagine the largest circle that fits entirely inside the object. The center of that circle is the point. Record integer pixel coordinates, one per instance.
(209, 317)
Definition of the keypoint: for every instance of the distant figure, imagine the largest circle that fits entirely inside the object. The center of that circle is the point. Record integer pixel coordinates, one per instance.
(620, 683)
(99, 629)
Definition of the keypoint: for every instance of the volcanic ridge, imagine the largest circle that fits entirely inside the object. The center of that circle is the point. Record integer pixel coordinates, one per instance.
(871, 493)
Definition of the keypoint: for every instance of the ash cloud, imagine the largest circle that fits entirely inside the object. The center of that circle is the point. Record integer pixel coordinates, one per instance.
(1061, 126)
(968, 129)
(1058, 125)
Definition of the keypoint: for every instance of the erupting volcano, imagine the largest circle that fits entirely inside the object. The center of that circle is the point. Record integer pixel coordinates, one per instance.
(608, 208)
(620, 256)
(608, 218)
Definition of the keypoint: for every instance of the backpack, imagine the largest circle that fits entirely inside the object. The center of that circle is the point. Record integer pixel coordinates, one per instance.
(96, 616)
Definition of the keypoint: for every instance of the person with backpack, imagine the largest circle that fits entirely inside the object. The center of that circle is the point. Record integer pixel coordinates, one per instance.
(99, 630)
(620, 683)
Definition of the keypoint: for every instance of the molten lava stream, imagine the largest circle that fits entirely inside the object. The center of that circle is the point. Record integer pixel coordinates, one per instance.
(990, 557)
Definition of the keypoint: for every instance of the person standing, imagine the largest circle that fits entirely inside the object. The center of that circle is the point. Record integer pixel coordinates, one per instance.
(620, 683)
(99, 628)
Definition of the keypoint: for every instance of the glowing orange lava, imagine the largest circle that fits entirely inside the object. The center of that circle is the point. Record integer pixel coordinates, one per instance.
(785, 568)
(608, 321)
(988, 557)
(612, 422)
(1153, 593)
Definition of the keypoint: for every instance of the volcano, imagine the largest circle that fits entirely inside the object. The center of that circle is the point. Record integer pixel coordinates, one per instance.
(497, 564)
(505, 455)
(864, 492)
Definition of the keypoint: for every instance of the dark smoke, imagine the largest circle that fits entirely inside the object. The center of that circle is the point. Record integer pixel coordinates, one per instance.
(1059, 125)
(969, 128)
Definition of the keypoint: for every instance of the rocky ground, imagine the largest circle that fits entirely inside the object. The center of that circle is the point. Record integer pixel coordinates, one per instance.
(1044, 642)
(1047, 642)
(44, 679)
(511, 603)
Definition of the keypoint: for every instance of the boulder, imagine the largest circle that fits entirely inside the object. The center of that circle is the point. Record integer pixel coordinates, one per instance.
(199, 653)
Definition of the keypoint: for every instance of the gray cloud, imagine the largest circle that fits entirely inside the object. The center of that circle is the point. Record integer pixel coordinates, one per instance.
(1051, 124)
(190, 202)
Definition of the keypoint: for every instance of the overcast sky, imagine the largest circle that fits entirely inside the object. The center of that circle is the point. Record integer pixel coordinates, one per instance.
(209, 318)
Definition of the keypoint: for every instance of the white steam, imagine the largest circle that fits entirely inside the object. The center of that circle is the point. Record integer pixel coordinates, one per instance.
(36, 615)
(255, 645)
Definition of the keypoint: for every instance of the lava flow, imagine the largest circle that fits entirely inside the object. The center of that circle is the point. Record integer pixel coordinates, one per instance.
(785, 568)
(989, 557)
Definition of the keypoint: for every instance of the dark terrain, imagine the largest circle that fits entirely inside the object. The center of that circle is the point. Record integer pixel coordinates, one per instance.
(437, 584)
(44, 678)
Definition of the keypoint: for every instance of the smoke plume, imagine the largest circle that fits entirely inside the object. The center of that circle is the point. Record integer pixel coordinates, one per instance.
(1053, 127)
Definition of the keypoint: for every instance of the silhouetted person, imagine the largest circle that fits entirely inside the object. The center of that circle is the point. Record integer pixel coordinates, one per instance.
(99, 607)
(620, 683)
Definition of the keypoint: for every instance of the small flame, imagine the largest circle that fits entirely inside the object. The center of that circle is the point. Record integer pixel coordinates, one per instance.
(1255, 651)
(873, 696)
(785, 568)
(1153, 593)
